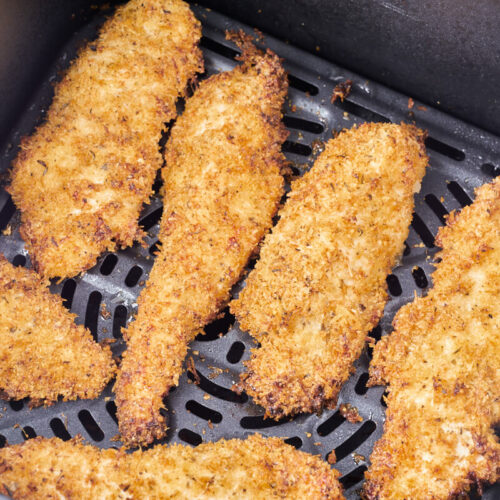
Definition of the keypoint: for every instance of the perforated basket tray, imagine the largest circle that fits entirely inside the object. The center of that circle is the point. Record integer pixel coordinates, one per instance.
(461, 158)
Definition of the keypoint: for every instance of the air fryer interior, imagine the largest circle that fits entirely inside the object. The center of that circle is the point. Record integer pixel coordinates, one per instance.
(203, 407)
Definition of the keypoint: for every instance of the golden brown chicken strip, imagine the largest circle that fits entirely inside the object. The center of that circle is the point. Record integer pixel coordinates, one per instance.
(442, 364)
(319, 286)
(222, 186)
(81, 179)
(254, 468)
(43, 353)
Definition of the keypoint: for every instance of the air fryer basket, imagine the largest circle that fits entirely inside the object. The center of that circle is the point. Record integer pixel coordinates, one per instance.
(203, 407)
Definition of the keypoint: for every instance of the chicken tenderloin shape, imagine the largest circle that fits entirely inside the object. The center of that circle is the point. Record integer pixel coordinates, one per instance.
(222, 186)
(80, 181)
(319, 287)
(255, 468)
(43, 353)
(442, 365)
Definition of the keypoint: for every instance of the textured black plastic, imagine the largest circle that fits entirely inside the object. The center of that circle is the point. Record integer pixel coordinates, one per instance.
(440, 51)
(461, 158)
(31, 33)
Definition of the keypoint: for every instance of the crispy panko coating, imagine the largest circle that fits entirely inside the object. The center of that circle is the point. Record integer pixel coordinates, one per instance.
(43, 353)
(319, 286)
(222, 186)
(442, 364)
(254, 468)
(81, 179)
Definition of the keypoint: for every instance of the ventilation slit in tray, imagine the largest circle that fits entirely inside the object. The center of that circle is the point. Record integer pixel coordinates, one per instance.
(444, 149)
(235, 353)
(90, 425)
(92, 313)
(351, 107)
(133, 276)
(6, 213)
(67, 292)
(300, 84)
(216, 390)
(217, 328)
(301, 124)
(331, 424)
(458, 192)
(119, 320)
(108, 264)
(203, 412)
(190, 437)
(294, 441)
(353, 477)
(437, 207)
(28, 432)
(59, 429)
(297, 148)
(361, 387)
(490, 169)
(219, 48)
(111, 409)
(259, 422)
(19, 261)
(356, 439)
(17, 405)
(423, 231)
(419, 277)
(394, 285)
(151, 219)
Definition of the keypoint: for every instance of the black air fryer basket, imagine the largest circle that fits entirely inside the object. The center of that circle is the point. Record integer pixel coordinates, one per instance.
(203, 407)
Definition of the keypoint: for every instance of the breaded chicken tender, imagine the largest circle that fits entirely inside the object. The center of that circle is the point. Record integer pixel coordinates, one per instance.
(442, 364)
(254, 468)
(43, 353)
(222, 186)
(320, 284)
(82, 178)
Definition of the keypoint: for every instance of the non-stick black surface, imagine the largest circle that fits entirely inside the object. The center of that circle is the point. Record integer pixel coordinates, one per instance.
(441, 51)
(104, 298)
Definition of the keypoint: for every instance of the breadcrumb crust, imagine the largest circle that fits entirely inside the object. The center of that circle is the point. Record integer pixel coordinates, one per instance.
(81, 179)
(319, 286)
(442, 364)
(43, 353)
(254, 468)
(222, 186)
